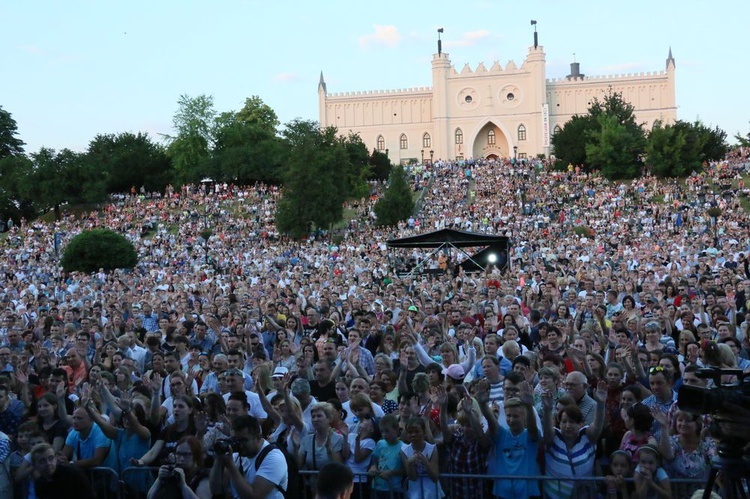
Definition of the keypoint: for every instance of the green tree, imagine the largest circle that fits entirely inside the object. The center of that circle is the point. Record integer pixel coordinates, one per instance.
(664, 150)
(10, 144)
(743, 141)
(380, 166)
(195, 127)
(358, 170)
(397, 203)
(59, 178)
(130, 160)
(678, 150)
(315, 179)
(98, 248)
(570, 142)
(15, 171)
(615, 148)
(247, 146)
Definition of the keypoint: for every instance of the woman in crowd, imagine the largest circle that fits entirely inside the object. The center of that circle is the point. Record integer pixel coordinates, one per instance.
(549, 383)
(183, 426)
(324, 445)
(686, 454)
(48, 418)
(571, 447)
(188, 473)
(377, 394)
(283, 354)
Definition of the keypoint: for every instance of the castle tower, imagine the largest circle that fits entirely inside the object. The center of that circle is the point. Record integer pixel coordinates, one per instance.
(537, 96)
(322, 118)
(441, 66)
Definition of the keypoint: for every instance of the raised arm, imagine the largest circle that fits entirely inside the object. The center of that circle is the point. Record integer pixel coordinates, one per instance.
(594, 430)
(664, 445)
(527, 399)
(547, 427)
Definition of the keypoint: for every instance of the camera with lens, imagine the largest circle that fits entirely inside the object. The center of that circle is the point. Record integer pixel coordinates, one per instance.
(727, 403)
(172, 475)
(224, 446)
(720, 397)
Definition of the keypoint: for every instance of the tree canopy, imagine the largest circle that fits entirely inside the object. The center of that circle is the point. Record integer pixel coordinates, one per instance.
(98, 248)
(609, 139)
(397, 203)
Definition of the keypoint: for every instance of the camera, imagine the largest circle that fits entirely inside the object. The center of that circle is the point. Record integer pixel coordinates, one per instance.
(711, 400)
(728, 403)
(172, 473)
(224, 445)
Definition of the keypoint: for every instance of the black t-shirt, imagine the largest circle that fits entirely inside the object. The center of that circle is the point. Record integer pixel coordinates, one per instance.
(59, 429)
(67, 482)
(323, 393)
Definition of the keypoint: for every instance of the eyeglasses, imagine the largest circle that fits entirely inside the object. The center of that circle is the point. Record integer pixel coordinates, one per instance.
(656, 369)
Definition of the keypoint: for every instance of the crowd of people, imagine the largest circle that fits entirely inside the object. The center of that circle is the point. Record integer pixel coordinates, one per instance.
(242, 363)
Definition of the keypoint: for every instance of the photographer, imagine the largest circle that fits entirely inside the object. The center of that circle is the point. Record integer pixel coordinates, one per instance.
(247, 469)
(187, 478)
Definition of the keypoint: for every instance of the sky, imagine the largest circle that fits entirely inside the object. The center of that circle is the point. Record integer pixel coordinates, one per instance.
(75, 69)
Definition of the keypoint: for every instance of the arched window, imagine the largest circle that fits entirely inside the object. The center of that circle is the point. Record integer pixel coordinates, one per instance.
(459, 136)
(521, 132)
(381, 143)
(403, 141)
(491, 138)
(426, 140)
(557, 130)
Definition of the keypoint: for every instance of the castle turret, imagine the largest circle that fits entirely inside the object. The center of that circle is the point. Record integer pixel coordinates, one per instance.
(670, 61)
(441, 67)
(322, 114)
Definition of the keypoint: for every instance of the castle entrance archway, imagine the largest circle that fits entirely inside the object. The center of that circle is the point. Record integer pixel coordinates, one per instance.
(491, 143)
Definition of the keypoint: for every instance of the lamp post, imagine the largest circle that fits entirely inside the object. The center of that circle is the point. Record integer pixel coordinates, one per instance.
(422, 152)
(432, 153)
(515, 152)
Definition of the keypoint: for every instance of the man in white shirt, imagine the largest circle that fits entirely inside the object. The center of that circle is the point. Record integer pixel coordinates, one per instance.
(252, 470)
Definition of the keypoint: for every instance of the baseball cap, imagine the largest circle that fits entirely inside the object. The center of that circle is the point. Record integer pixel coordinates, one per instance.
(412, 308)
(279, 372)
(455, 371)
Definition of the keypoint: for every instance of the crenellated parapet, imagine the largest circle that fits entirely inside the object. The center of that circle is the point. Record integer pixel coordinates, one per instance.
(399, 92)
(598, 79)
(481, 70)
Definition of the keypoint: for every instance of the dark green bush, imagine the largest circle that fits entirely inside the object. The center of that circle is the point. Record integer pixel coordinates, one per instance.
(99, 249)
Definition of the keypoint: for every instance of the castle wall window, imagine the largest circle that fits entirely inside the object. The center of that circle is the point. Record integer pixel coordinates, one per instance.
(491, 138)
(557, 130)
(381, 143)
(426, 140)
(459, 136)
(521, 132)
(403, 141)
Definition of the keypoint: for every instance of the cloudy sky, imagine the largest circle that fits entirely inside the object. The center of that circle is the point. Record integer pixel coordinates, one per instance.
(77, 68)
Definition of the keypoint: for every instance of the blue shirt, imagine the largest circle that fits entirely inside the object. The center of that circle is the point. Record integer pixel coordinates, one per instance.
(514, 455)
(85, 448)
(388, 458)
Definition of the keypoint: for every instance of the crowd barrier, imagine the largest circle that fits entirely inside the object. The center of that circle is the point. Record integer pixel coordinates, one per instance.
(134, 482)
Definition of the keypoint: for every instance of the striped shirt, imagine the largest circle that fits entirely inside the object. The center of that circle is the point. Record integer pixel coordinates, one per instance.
(562, 462)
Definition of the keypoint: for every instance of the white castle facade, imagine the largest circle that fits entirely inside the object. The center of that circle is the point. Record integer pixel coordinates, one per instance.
(495, 112)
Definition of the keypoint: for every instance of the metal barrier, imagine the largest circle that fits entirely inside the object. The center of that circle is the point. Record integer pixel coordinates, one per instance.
(108, 485)
(105, 482)
(465, 486)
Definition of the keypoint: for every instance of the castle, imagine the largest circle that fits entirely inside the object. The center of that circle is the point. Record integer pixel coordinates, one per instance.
(488, 113)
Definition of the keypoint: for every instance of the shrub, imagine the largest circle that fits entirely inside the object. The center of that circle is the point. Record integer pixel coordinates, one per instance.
(99, 249)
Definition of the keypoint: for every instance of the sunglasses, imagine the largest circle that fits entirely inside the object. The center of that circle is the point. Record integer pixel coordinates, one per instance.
(656, 369)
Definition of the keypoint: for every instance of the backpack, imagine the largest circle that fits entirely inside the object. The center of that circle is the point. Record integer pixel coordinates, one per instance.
(291, 466)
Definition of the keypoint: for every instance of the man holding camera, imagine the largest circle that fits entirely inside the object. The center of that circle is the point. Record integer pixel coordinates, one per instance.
(246, 467)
